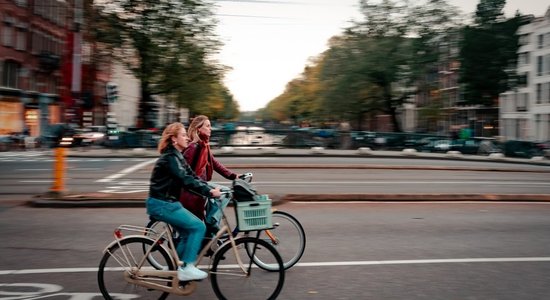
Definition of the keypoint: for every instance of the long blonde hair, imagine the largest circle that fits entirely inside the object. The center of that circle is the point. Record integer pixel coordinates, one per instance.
(170, 131)
(193, 130)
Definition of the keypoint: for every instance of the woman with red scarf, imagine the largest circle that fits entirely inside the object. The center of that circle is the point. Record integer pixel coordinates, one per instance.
(202, 161)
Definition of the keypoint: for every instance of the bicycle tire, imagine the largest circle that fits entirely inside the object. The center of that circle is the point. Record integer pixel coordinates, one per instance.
(110, 275)
(290, 240)
(230, 282)
(152, 225)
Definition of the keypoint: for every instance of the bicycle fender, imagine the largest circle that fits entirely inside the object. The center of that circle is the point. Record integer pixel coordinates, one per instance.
(116, 241)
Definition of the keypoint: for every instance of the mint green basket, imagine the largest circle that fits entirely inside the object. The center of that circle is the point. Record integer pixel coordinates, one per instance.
(254, 215)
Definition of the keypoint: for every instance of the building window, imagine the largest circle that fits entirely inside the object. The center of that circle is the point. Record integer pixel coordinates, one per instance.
(8, 31)
(523, 39)
(539, 65)
(539, 93)
(9, 74)
(540, 41)
(523, 58)
(21, 37)
(22, 3)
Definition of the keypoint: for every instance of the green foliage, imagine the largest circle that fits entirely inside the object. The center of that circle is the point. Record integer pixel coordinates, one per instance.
(374, 67)
(487, 50)
(167, 44)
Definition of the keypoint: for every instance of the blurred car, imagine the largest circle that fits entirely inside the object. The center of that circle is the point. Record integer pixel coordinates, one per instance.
(55, 135)
(440, 145)
(90, 135)
(476, 146)
(545, 146)
(525, 149)
(362, 139)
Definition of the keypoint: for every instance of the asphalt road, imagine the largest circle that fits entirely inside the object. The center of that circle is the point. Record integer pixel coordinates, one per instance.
(27, 174)
(354, 251)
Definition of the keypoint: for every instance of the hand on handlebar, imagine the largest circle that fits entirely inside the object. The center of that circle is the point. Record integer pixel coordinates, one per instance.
(216, 193)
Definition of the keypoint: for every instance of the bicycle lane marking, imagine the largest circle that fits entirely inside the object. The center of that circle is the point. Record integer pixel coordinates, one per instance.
(315, 264)
(127, 171)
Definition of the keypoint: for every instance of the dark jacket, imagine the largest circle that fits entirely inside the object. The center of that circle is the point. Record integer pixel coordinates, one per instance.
(171, 174)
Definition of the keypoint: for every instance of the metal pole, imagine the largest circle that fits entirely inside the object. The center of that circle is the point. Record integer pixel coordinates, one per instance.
(58, 186)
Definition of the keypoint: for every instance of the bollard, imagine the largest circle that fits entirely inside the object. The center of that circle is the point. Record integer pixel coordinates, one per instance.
(59, 170)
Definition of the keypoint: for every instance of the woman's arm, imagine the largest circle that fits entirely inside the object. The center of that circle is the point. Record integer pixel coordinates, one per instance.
(221, 169)
(187, 177)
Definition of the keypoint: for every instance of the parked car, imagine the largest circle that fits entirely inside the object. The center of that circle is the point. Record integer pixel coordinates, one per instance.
(476, 146)
(440, 145)
(362, 139)
(526, 149)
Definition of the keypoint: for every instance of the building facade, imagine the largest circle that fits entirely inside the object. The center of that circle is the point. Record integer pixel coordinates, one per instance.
(33, 35)
(525, 110)
(49, 70)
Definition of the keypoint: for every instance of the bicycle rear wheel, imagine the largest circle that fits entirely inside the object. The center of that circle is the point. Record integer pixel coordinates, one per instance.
(156, 228)
(121, 257)
(230, 282)
(287, 236)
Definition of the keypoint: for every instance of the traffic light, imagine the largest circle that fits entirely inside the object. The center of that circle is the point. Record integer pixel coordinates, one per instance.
(112, 92)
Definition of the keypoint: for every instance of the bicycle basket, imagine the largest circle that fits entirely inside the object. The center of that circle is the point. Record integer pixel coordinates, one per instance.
(243, 191)
(254, 215)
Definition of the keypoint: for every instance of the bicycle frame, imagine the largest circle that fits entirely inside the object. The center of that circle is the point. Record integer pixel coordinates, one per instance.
(154, 279)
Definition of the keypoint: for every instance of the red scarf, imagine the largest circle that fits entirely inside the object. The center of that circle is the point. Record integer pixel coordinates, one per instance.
(203, 166)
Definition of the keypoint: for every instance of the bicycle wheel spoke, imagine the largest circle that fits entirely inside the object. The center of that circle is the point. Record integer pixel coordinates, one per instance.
(230, 282)
(117, 264)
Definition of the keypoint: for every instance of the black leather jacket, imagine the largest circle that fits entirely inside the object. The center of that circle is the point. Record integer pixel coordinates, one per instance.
(171, 174)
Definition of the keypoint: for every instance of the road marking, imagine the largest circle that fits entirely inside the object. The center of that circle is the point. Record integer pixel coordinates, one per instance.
(363, 182)
(316, 264)
(127, 171)
(417, 202)
(36, 181)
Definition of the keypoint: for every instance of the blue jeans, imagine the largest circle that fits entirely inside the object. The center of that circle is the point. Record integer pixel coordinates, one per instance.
(215, 207)
(182, 220)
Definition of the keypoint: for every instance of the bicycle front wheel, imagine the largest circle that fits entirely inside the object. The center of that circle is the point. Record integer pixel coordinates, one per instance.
(230, 282)
(288, 238)
(120, 258)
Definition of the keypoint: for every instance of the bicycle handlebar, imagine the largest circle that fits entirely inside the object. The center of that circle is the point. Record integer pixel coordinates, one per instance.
(246, 176)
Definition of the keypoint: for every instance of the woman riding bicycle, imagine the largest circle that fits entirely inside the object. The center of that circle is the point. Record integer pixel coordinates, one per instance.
(203, 162)
(170, 174)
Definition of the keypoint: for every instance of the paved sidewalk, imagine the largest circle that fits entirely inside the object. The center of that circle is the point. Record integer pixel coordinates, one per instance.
(137, 199)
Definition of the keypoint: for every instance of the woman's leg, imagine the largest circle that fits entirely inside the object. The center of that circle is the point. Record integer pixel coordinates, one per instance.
(188, 224)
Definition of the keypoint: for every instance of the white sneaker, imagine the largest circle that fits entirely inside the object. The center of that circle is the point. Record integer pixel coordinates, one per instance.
(190, 272)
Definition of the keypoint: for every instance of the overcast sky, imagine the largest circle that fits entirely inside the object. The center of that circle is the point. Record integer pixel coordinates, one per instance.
(268, 42)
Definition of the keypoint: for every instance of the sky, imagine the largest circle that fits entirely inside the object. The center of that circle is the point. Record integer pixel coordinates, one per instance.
(267, 43)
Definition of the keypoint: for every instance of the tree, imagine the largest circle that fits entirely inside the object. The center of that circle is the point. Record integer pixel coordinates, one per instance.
(166, 44)
(488, 48)
(396, 45)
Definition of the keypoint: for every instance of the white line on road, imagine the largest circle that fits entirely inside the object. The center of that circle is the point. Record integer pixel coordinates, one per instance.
(321, 264)
(127, 171)
(362, 182)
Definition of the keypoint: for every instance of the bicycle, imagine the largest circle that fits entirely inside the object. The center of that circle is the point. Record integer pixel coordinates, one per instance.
(287, 235)
(232, 275)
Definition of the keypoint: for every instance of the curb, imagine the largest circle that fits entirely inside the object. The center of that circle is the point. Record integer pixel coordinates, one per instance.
(84, 202)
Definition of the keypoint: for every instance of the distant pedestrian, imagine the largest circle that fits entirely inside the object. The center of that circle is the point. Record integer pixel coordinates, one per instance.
(203, 162)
